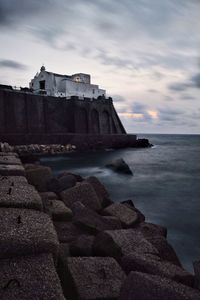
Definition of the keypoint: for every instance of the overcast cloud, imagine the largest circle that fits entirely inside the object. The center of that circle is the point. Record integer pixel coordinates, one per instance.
(144, 53)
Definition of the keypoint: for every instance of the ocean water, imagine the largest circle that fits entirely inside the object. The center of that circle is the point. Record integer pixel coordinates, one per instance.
(165, 185)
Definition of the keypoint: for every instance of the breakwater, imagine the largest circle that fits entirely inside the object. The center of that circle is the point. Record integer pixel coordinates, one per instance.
(64, 237)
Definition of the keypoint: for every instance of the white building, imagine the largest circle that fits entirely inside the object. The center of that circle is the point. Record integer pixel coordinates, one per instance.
(57, 85)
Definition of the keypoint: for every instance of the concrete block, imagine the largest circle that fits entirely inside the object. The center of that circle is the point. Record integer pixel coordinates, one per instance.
(39, 177)
(141, 286)
(9, 154)
(67, 231)
(22, 196)
(29, 278)
(48, 196)
(26, 232)
(13, 181)
(9, 160)
(100, 190)
(151, 265)
(59, 211)
(12, 170)
(117, 243)
(82, 192)
(90, 220)
(126, 215)
(92, 278)
(82, 246)
(152, 230)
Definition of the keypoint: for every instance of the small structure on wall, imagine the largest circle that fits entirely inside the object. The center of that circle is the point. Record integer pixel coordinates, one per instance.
(57, 85)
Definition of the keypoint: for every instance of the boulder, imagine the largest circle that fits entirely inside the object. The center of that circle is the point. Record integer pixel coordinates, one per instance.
(12, 170)
(129, 203)
(196, 266)
(126, 215)
(117, 243)
(152, 230)
(99, 278)
(79, 178)
(39, 177)
(113, 221)
(58, 210)
(48, 196)
(10, 160)
(152, 265)
(119, 166)
(62, 183)
(22, 196)
(90, 220)
(82, 246)
(166, 252)
(83, 193)
(26, 232)
(100, 190)
(67, 231)
(29, 278)
(141, 286)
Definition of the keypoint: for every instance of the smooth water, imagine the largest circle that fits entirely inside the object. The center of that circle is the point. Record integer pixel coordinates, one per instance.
(165, 185)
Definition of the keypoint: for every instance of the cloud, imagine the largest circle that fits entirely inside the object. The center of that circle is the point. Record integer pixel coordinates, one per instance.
(196, 80)
(169, 114)
(12, 64)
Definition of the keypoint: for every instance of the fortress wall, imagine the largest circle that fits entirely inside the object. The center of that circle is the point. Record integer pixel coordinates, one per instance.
(33, 117)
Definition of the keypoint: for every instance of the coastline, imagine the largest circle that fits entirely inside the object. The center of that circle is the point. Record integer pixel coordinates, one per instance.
(88, 224)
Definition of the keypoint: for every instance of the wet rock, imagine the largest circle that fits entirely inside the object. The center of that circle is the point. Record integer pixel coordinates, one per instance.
(92, 278)
(83, 193)
(91, 221)
(120, 166)
(26, 232)
(29, 278)
(151, 265)
(127, 216)
(82, 246)
(151, 287)
(62, 183)
(117, 243)
(67, 231)
(100, 190)
(39, 177)
(12, 170)
(20, 197)
(152, 230)
(166, 252)
(59, 211)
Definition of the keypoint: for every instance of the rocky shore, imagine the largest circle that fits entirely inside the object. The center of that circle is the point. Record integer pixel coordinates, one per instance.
(64, 238)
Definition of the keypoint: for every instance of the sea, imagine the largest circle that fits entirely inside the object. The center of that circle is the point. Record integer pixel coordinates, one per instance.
(165, 184)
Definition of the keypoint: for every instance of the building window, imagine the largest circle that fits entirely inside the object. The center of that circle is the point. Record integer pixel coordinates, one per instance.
(42, 85)
(93, 91)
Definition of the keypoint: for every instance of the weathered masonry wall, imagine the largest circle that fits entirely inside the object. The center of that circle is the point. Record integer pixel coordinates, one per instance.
(27, 114)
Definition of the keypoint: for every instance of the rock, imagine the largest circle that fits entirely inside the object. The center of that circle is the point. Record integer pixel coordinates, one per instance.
(20, 197)
(12, 170)
(26, 232)
(166, 252)
(129, 203)
(196, 266)
(29, 278)
(99, 278)
(89, 220)
(152, 230)
(13, 181)
(100, 190)
(82, 246)
(117, 243)
(113, 221)
(78, 177)
(127, 216)
(148, 264)
(39, 177)
(83, 193)
(48, 196)
(141, 286)
(62, 183)
(9, 154)
(9, 160)
(67, 231)
(59, 211)
(120, 166)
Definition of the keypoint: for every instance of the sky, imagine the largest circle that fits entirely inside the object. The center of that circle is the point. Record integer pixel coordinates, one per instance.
(146, 54)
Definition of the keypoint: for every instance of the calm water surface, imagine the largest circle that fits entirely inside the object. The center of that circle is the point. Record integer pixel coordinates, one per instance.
(165, 185)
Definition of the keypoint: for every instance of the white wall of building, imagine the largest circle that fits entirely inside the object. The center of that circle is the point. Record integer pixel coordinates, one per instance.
(65, 86)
